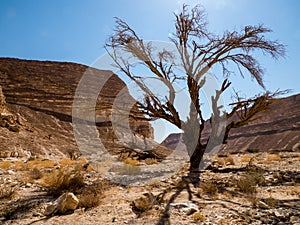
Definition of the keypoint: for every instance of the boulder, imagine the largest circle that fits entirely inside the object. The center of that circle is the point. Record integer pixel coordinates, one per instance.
(66, 202)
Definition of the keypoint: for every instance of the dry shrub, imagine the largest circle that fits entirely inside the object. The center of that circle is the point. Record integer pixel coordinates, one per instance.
(272, 202)
(131, 161)
(298, 158)
(209, 188)
(253, 199)
(247, 159)
(5, 165)
(6, 192)
(273, 157)
(90, 196)
(256, 175)
(63, 179)
(35, 174)
(229, 160)
(67, 162)
(144, 204)
(246, 184)
(228, 195)
(198, 217)
(20, 165)
(151, 161)
(40, 164)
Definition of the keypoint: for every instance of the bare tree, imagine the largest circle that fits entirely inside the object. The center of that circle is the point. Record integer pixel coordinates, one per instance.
(199, 51)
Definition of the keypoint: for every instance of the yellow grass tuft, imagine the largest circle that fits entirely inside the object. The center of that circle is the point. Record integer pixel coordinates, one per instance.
(63, 179)
(209, 188)
(5, 165)
(131, 161)
(151, 161)
(273, 157)
(40, 164)
(19, 165)
(198, 217)
(246, 184)
(247, 158)
(67, 162)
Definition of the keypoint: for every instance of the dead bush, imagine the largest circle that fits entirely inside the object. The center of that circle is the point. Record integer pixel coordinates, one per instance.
(144, 204)
(5, 165)
(6, 192)
(198, 217)
(209, 188)
(151, 161)
(257, 175)
(63, 180)
(246, 184)
(131, 161)
(91, 196)
(273, 157)
(40, 164)
(35, 174)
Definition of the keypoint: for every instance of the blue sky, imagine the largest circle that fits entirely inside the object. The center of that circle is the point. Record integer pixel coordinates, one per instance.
(76, 30)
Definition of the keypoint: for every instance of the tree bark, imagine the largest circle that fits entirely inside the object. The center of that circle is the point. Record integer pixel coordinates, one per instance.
(196, 163)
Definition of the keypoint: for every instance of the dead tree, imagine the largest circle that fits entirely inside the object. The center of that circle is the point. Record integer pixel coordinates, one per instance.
(199, 51)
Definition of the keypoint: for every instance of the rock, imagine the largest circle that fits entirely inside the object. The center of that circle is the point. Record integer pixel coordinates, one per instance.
(190, 211)
(295, 219)
(67, 201)
(262, 205)
(188, 208)
(11, 172)
(280, 213)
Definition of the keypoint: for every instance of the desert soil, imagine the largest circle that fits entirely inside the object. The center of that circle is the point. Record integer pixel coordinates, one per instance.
(220, 199)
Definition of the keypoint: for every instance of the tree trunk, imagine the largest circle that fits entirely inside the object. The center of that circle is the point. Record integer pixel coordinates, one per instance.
(196, 163)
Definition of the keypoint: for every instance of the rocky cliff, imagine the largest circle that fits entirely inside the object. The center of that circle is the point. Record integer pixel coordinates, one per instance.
(277, 128)
(41, 93)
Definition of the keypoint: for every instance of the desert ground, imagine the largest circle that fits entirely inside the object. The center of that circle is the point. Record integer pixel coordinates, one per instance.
(249, 188)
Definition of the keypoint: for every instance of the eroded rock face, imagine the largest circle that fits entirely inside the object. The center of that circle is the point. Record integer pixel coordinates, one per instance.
(7, 119)
(42, 92)
(277, 128)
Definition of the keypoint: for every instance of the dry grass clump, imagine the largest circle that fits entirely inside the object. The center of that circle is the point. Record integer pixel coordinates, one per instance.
(40, 164)
(247, 159)
(35, 174)
(91, 196)
(298, 158)
(246, 184)
(209, 188)
(224, 160)
(229, 160)
(20, 165)
(131, 161)
(5, 165)
(6, 192)
(198, 217)
(63, 179)
(70, 162)
(144, 204)
(273, 157)
(151, 161)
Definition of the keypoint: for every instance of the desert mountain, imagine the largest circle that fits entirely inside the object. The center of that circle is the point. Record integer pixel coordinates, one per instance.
(40, 96)
(277, 128)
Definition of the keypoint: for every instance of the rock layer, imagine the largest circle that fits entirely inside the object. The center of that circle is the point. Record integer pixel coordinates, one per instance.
(277, 128)
(42, 92)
